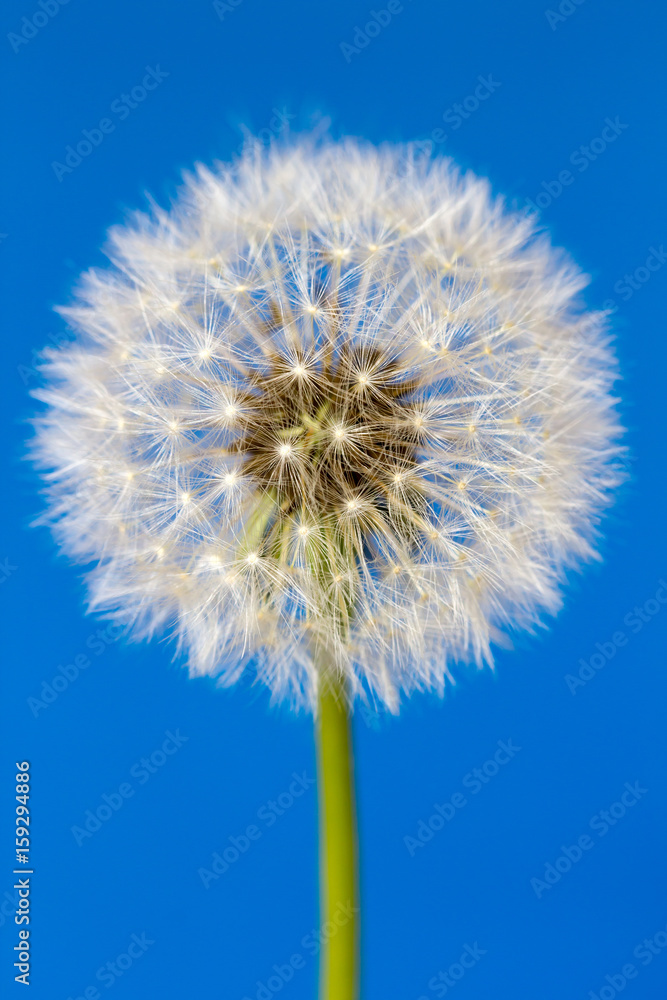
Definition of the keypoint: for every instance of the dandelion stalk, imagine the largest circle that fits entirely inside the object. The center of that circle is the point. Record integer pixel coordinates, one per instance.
(338, 844)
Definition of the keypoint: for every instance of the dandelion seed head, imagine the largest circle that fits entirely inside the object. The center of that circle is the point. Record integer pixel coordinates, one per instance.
(315, 407)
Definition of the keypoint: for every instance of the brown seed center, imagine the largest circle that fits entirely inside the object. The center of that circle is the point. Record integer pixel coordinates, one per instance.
(323, 438)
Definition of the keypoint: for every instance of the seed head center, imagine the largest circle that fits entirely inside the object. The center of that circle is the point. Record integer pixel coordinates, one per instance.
(353, 447)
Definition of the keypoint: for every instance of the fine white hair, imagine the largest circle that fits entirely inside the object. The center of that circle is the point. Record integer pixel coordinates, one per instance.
(338, 398)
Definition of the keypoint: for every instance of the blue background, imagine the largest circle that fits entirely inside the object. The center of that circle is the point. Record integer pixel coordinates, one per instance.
(472, 881)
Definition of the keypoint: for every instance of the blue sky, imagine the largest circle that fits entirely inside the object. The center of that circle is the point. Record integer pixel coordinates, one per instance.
(548, 872)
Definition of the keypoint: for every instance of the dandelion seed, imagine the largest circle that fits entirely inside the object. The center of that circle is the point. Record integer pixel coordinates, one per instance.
(397, 379)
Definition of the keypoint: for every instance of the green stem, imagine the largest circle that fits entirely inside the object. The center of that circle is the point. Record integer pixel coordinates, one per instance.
(338, 844)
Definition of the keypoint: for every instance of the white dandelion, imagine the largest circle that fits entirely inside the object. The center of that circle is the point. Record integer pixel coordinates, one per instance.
(338, 413)
(352, 402)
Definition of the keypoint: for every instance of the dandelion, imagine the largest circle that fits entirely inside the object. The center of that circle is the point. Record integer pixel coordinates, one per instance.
(356, 407)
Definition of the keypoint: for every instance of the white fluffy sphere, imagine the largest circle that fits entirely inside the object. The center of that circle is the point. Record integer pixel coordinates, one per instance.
(336, 406)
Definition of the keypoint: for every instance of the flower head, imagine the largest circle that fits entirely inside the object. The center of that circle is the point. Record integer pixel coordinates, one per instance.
(335, 402)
